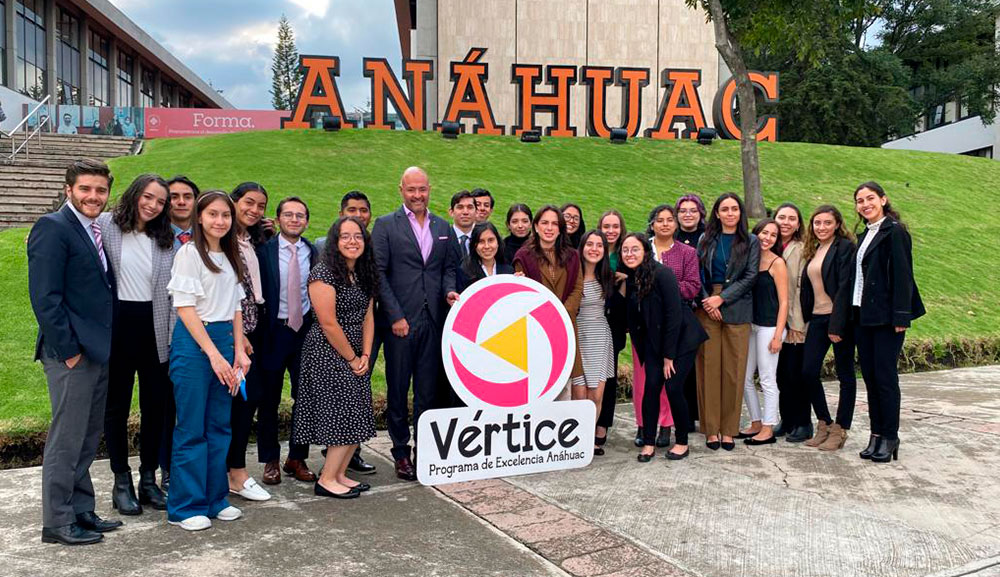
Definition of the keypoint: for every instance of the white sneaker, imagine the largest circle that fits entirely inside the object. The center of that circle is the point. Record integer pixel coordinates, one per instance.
(230, 513)
(196, 523)
(252, 491)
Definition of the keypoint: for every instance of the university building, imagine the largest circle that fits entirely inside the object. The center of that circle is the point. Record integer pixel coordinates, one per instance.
(88, 53)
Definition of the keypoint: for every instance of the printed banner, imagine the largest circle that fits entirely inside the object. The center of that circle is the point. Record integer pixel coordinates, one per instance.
(180, 122)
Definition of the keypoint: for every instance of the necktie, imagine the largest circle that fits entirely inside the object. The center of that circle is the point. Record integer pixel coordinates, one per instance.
(464, 241)
(184, 237)
(294, 290)
(99, 243)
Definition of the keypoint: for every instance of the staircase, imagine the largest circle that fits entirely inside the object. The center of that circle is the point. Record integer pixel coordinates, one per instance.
(33, 184)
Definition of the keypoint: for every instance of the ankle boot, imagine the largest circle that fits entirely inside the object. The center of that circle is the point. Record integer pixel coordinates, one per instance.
(800, 434)
(149, 493)
(885, 450)
(822, 432)
(872, 444)
(835, 439)
(123, 495)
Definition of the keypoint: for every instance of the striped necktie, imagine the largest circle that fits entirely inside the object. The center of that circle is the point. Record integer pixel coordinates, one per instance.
(96, 228)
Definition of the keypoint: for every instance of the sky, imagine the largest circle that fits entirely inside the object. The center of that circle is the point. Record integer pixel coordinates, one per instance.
(230, 42)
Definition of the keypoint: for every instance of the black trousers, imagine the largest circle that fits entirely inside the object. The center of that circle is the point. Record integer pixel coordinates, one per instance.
(675, 396)
(878, 355)
(284, 353)
(133, 350)
(416, 356)
(793, 396)
(816, 346)
(610, 399)
(242, 412)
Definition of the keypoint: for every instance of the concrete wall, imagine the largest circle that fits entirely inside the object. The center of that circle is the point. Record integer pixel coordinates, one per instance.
(957, 138)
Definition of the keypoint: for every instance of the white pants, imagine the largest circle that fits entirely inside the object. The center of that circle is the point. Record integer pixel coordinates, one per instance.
(761, 359)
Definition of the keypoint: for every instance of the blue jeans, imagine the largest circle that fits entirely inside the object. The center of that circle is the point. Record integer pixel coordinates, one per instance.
(198, 481)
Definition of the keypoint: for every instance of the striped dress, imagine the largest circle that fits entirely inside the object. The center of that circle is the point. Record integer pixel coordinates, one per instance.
(594, 336)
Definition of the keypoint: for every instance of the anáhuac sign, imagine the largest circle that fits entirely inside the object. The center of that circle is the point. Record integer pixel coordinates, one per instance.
(540, 90)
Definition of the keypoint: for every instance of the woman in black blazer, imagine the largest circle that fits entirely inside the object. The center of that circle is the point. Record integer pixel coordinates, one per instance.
(486, 253)
(667, 336)
(884, 299)
(825, 298)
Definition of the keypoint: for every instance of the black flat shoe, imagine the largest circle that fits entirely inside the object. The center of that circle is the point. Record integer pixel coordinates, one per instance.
(886, 450)
(643, 458)
(638, 437)
(714, 445)
(753, 441)
(663, 439)
(870, 449)
(728, 446)
(361, 487)
(743, 435)
(678, 456)
(598, 451)
(321, 491)
(600, 441)
(71, 534)
(91, 522)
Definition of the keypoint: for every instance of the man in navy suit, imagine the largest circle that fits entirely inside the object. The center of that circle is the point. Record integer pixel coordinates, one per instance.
(72, 291)
(416, 263)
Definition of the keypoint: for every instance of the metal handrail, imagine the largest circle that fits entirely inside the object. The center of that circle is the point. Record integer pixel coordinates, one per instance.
(14, 148)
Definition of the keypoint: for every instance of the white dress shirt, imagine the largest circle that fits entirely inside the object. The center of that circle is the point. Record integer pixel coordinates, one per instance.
(859, 281)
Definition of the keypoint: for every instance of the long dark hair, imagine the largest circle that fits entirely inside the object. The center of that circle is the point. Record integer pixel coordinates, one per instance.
(759, 227)
(365, 274)
(655, 213)
(602, 269)
(256, 231)
(798, 233)
(227, 243)
(887, 209)
(126, 213)
(621, 221)
(713, 230)
(514, 209)
(643, 274)
(473, 262)
(577, 237)
(811, 242)
(561, 248)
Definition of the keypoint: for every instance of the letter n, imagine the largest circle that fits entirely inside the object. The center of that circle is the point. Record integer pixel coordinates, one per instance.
(726, 102)
(468, 94)
(680, 103)
(317, 93)
(412, 110)
(556, 103)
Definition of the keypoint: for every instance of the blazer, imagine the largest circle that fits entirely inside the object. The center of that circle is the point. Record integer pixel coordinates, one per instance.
(838, 267)
(660, 325)
(406, 282)
(740, 276)
(270, 276)
(890, 295)
(463, 280)
(796, 274)
(164, 314)
(73, 298)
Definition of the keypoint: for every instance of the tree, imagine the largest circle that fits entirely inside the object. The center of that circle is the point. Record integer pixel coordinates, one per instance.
(745, 27)
(285, 74)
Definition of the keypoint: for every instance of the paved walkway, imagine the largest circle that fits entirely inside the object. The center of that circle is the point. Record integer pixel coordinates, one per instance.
(774, 511)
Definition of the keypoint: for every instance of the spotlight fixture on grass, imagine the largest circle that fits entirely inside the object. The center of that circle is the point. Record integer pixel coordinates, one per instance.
(331, 123)
(450, 130)
(531, 136)
(619, 136)
(707, 135)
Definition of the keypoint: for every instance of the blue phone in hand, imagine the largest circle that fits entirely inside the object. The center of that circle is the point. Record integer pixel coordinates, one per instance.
(243, 383)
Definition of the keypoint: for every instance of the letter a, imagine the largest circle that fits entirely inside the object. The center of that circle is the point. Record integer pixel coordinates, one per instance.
(468, 94)
(680, 104)
(413, 110)
(318, 92)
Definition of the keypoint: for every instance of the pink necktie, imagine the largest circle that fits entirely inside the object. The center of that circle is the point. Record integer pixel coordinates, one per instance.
(100, 245)
(294, 290)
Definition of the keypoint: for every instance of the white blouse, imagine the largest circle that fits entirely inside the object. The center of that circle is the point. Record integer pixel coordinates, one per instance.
(214, 296)
(135, 280)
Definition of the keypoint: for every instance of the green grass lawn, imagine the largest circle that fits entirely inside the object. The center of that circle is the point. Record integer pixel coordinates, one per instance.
(943, 198)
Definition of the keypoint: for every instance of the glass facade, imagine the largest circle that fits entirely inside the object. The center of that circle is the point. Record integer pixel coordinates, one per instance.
(29, 37)
(126, 69)
(98, 76)
(146, 90)
(68, 58)
(3, 44)
(166, 93)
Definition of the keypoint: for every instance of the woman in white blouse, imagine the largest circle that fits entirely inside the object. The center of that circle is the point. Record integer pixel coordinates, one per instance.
(207, 363)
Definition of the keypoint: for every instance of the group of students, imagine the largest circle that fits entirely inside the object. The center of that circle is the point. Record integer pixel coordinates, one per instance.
(191, 289)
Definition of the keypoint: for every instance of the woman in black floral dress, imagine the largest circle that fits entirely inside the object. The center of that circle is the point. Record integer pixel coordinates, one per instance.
(334, 404)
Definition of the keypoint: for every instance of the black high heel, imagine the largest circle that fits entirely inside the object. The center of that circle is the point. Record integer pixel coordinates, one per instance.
(886, 450)
(872, 445)
(728, 445)
(714, 445)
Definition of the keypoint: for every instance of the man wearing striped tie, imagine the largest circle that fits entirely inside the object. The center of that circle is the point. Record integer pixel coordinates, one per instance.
(72, 291)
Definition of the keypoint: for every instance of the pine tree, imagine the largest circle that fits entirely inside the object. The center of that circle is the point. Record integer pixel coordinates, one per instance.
(285, 75)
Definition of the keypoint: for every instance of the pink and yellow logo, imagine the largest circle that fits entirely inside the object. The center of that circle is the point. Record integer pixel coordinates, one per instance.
(507, 343)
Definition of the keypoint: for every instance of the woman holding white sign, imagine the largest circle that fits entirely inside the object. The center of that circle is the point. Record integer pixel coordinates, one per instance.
(667, 334)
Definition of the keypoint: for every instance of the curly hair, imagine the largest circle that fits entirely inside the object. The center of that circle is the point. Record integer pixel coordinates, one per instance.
(126, 212)
(365, 275)
(644, 272)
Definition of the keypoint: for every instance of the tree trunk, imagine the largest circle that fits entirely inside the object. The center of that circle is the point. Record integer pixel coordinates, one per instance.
(732, 54)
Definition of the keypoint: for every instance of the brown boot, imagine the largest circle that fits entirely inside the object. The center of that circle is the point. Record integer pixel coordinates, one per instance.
(835, 440)
(822, 432)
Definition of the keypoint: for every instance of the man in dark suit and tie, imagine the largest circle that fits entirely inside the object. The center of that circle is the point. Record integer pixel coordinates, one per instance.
(72, 291)
(463, 218)
(416, 262)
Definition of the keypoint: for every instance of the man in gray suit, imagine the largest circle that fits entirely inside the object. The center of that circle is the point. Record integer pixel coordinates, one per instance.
(72, 287)
(416, 264)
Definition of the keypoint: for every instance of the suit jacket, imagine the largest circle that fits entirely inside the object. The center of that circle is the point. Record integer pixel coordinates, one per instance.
(270, 283)
(660, 324)
(890, 295)
(406, 282)
(464, 279)
(838, 267)
(164, 314)
(740, 277)
(71, 294)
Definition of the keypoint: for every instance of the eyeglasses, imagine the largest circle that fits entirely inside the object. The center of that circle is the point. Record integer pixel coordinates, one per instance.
(350, 237)
(571, 218)
(688, 211)
(294, 215)
(636, 250)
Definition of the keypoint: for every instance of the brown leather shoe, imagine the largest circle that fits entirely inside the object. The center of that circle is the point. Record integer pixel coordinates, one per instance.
(405, 469)
(299, 470)
(822, 432)
(272, 473)
(836, 439)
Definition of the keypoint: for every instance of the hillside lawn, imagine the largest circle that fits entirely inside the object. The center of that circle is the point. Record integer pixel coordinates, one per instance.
(944, 200)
